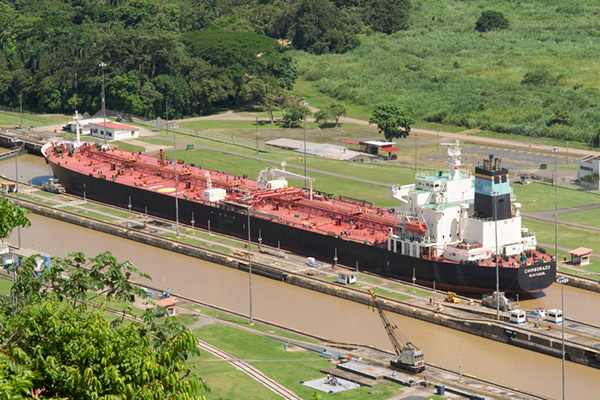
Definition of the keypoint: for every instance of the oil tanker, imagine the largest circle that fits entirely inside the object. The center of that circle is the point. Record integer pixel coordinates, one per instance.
(451, 229)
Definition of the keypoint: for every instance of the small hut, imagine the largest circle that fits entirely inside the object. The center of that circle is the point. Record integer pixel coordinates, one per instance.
(580, 256)
(169, 303)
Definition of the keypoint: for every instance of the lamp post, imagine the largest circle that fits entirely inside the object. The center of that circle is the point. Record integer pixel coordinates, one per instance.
(250, 266)
(175, 169)
(555, 150)
(15, 141)
(495, 200)
(102, 65)
(304, 104)
(257, 135)
(562, 280)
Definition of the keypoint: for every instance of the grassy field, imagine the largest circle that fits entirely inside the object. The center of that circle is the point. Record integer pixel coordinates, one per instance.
(589, 217)
(540, 197)
(269, 356)
(444, 70)
(10, 119)
(5, 286)
(568, 237)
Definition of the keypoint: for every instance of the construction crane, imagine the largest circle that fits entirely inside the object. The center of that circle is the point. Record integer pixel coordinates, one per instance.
(408, 356)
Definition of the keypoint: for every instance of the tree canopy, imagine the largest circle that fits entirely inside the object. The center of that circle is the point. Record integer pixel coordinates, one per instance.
(490, 20)
(55, 341)
(391, 120)
(388, 16)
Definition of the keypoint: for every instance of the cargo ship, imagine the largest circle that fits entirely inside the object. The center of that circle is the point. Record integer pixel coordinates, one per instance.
(452, 230)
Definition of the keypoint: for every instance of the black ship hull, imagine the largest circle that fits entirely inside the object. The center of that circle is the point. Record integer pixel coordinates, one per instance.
(373, 258)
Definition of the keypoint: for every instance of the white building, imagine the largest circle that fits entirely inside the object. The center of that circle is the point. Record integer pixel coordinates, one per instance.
(114, 131)
(588, 165)
(83, 124)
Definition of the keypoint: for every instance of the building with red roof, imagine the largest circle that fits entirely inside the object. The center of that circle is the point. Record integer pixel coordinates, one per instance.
(113, 131)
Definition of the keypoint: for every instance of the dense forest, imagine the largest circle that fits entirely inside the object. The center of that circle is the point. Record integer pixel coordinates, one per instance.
(194, 55)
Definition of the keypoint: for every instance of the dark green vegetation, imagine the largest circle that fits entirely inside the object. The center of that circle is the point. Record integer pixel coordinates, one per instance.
(514, 80)
(55, 343)
(192, 57)
(391, 120)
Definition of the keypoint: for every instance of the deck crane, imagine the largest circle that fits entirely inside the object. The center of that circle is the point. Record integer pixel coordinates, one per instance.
(408, 356)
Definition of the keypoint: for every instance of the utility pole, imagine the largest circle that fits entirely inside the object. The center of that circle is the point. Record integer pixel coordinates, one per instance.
(102, 65)
(174, 167)
(304, 104)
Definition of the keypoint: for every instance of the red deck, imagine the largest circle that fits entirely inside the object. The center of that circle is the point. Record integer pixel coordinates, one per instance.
(292, 205)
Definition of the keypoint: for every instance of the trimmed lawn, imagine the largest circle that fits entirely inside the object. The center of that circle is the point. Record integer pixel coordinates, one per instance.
(589, 217)
(286, 367)
(5, 286)
(569, 237)
(540, 197)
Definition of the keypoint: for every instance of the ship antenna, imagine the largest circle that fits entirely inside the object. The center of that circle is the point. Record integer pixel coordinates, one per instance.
(208, 182)
(454, 158)
(77, 117)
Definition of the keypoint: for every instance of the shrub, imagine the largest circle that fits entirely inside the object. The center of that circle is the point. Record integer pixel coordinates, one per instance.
(490, 20)
(561, 118)
(541, 77)
(590, 178)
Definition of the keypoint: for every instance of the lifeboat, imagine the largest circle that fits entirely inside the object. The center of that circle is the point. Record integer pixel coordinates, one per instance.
(417, 227)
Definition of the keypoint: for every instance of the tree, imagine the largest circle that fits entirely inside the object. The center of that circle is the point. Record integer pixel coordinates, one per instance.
(11, 216)
(388, 16)
(53, 345)
(391, 120)
(75, 353)
(316, 26)
(337, 110)
(294, 112)
(322, 116)
(490, 20)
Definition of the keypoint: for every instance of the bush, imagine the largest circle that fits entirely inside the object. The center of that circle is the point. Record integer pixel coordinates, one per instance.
(590, 178)
(560, 117)
(491, 20)
(541, 77)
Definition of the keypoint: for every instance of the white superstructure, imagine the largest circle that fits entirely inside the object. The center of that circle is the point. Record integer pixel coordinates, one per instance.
(440, 217)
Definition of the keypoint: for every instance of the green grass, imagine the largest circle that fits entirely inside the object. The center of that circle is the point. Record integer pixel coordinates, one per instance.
(286, 367)
(568, 237)
(540, 197)
(393, 295)
(88, 214)
(441, 66)
(589, 217)
(11, 119)
(5, 286)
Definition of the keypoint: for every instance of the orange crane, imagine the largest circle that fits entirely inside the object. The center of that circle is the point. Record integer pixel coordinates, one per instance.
(408, 356)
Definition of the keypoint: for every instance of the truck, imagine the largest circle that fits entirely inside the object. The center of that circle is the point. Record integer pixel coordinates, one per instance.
(408, 356)
(53, 186)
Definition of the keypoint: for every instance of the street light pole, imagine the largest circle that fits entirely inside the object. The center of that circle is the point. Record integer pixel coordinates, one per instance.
(562, 280)
(250, 266)
(304, 104)
(102, 65)
(175, 168)
(17, 185)
(555, 150)
(495, 200)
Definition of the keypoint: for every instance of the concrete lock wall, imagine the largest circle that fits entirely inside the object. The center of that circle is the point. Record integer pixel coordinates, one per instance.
(481, 328)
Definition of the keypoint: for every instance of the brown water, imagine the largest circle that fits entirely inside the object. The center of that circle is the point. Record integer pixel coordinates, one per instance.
(328, 316)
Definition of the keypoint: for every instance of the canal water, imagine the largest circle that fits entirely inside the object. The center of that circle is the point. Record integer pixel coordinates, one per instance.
(324, 315)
